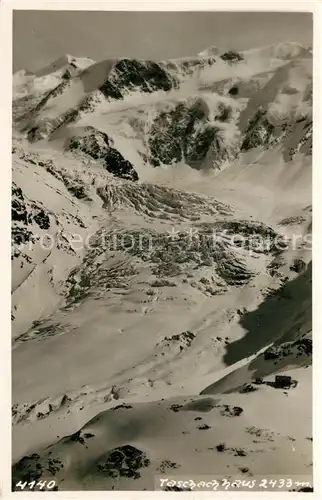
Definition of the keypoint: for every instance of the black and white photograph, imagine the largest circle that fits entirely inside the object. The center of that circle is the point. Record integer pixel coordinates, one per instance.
(161, 251)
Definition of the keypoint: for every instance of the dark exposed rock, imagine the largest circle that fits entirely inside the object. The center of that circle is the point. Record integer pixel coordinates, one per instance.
(229, 411)
(42, 219)
(48, 126)
(188, 66)
(54, 465)
(93, 143)
(167, 464)
(148, 75)
(224, 112)
(184, 338)
(78, 190)
(56, 91)
(117, 165)
(303, 130)
(28, 469)
(239, 452)
(65, 399)
(298, 347)
(118, 407)
(304, 345)
(67, 74)
(18, 207)
(21, 236)
(290, 221)
(185, 133)
(233, 90)
(270, 354)
(244, 470)
(247, 388)
(298, 265)
(158, 283)
(124, 461)
(197, 148)
(168, 134)
(233, 272)
(45, 97)
(98, 146)
(131, 74)
(232, 55)
(44, 128)
(175, 407)
(306, 142)
(259, 131)
(70, 71)
(77, 437)
(108, 89)
(18, 211)
(254, 235)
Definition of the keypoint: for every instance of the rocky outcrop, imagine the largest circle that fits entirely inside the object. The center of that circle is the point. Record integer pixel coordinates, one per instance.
(97, 145)
(26, 217)
(232, 56)
(28, 469)
(259, 131)
(125, 461)
(190, 65)
(294, 137)
(18, 207)
(131, 74)
(298, 138)
(186, 133)
(44, 128)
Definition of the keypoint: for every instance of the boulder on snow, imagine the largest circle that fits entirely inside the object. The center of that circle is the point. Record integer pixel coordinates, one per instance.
(298, 265)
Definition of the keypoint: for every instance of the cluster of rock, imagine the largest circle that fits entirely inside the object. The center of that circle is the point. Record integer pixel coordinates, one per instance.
(98, 146)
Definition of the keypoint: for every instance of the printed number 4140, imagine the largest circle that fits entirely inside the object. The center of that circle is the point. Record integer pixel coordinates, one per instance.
(49, 485)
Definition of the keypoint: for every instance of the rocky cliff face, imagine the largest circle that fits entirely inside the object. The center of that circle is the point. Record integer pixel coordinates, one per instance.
(259, 131)
(131, 74)
(188, 133)
(98, 146)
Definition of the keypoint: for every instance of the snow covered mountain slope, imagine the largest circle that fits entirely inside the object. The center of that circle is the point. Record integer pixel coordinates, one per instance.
(161, 269)
(203, 112)
(282, 51)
